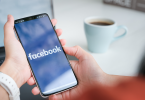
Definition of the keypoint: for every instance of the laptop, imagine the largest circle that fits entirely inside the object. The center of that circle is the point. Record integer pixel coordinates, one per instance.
(20, 9)
(2, 55)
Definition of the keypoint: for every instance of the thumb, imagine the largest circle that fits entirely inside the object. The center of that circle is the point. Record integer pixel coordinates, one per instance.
(8, 28)
(76, 51)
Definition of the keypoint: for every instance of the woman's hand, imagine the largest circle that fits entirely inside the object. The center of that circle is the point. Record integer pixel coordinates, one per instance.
(87, 72)
(16, 64)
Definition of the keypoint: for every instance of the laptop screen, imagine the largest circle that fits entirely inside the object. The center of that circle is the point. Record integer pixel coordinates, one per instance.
(22, 8)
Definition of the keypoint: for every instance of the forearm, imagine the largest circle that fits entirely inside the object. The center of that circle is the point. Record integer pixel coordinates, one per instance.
(112, 80)
(3, 94)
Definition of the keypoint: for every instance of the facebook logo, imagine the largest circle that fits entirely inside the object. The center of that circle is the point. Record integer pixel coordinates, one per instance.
(44, 53)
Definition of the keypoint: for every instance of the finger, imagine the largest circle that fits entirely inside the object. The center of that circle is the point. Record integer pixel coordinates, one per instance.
(67, 95)
(54, 21)
(8, 28)
(35, 91)
(59, 32)
(73, 64)
(54, 97)
(76, 51)
(31, 81)
(63, 42)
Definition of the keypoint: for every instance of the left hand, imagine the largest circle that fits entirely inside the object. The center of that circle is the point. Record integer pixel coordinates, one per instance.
(16, 64)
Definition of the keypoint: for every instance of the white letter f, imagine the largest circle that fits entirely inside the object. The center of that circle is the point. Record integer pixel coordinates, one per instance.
(30, 56)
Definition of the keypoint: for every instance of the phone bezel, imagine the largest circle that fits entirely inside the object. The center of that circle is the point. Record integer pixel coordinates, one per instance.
(32, 18)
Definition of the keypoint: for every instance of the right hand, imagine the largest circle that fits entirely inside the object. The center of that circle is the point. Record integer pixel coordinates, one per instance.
(86, 69)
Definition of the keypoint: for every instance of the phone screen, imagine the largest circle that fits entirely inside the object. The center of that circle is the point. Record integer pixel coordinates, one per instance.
(48, 62)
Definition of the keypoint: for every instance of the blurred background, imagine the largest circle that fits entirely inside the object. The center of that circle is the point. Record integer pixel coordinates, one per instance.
(124, 56)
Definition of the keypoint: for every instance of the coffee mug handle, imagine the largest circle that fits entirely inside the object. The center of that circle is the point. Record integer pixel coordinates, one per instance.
(121, 27)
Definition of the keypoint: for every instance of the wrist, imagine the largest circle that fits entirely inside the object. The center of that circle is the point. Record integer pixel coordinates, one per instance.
(103, 79)
(3, 94)
(9, 68)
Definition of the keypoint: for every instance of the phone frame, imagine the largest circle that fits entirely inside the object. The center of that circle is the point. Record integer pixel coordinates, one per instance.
(32, 18)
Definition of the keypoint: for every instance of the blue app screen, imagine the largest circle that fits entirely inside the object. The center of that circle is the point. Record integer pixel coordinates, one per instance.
(49, 64)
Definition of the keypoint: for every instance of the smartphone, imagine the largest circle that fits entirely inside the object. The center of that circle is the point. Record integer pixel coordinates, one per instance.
(47, 59)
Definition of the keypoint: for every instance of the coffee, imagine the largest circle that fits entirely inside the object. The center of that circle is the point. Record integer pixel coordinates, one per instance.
(100, 33)
(101, 23)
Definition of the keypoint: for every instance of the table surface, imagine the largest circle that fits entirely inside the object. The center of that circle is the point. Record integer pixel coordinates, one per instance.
(124, 55)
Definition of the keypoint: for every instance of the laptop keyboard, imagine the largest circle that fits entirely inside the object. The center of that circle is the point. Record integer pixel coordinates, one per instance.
(1, 60)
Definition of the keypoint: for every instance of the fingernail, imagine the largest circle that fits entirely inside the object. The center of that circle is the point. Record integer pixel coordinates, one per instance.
(8, 17)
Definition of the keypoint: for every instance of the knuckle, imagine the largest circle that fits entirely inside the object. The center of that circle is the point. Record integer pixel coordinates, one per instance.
(77, 50)
(77, 46)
